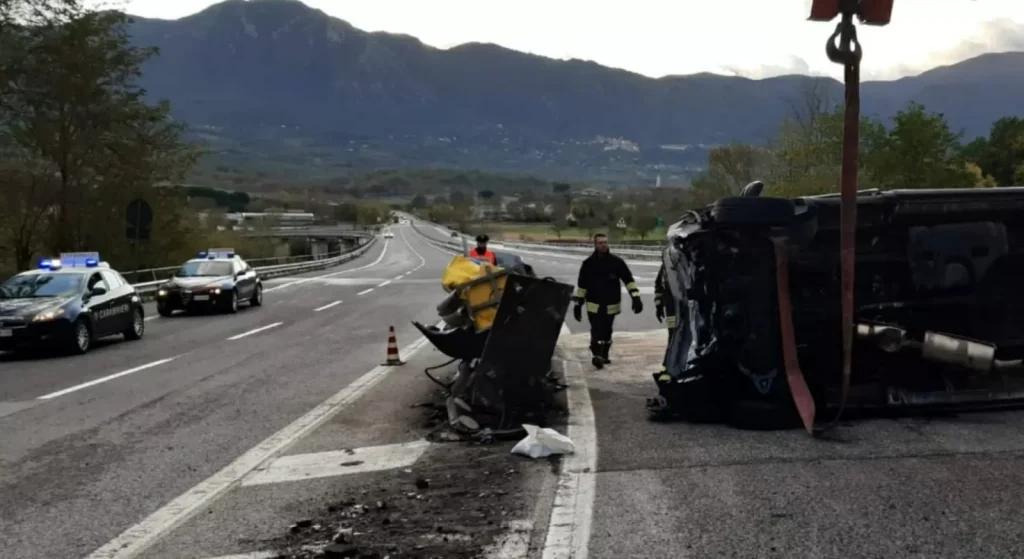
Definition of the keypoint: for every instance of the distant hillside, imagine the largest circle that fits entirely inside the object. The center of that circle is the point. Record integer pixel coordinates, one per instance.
(277, 81)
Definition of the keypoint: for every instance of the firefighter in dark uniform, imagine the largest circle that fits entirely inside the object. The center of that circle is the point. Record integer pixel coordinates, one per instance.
(665, 311)
(481, 251)
(598, 288)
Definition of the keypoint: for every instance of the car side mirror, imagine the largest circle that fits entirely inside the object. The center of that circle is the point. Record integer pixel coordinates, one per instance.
(97, 291)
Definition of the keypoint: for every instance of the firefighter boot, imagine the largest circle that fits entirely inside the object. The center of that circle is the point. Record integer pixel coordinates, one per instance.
(659, 407)
(597, 352)
(606, 349)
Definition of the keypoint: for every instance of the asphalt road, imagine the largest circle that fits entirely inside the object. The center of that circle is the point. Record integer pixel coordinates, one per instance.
(91, 445)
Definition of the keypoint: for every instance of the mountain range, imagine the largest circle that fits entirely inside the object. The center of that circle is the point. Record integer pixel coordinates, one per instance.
(278, 84)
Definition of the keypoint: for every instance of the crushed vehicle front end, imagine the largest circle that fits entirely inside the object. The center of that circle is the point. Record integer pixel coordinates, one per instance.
(939, 316)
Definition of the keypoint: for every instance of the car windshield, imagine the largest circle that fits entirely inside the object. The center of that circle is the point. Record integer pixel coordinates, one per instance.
(41, 285)
(204, 268)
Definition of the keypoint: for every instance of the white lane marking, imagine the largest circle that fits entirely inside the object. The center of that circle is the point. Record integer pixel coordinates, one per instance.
(396, 278)
(139, 537)
(423, 261)
(327, 306)
(365, 291)
(256, 331)
(338, 463)
(106, 378)
(154, 317)
(514, 544)
(305, 280)
(385, 283)
(571, 515)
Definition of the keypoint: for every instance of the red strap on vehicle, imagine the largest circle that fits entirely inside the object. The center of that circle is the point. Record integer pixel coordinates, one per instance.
(848, 53)
(797, 385)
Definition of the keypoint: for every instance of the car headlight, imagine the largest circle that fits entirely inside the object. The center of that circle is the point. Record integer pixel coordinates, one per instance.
(161, 292)
(48, 315)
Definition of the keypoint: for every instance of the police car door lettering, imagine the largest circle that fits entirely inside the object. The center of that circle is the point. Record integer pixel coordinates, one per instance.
(112, 311)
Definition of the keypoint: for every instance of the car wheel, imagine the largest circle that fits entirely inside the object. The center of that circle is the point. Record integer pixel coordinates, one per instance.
(232, 306)
(81, 338)
(138, 327)
(164, 310)
(257, 296)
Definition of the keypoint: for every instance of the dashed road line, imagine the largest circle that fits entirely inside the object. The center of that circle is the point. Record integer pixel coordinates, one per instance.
(255, 331)
(365, 291)
(101, 380)
(385, 283)
(309, 279)
(327, 306)
(141, 536)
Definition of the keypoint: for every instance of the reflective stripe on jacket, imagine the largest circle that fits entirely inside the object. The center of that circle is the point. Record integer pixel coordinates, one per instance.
(598, 283)
(475, 253)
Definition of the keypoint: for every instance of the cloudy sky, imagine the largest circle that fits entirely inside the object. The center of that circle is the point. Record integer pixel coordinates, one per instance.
(755, 38)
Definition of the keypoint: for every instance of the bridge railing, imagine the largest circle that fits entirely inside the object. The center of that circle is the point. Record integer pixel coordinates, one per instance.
(629, 252)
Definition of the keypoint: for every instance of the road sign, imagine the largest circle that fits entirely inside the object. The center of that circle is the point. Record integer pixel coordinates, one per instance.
(139, 219)
(622, 223)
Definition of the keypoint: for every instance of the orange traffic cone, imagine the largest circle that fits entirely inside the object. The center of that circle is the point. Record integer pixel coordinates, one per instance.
(393, 358)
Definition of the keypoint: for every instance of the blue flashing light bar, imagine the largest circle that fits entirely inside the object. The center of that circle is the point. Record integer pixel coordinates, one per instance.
(202, 254)
(220, 253)
(77, 260)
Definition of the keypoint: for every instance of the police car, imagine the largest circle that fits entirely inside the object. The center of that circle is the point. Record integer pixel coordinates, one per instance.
(68, 302)
(216, 279)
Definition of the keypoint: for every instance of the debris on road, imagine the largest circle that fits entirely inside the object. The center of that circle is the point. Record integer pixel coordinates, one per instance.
(543, 442)
(502, 326)
(456, 506)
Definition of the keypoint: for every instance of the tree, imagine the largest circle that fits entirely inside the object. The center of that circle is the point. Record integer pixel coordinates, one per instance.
(81, 118)
(1001, 155)
(558, 225)
(457, 198)
(643, 223)
(979, 178)
(485, 195)
(418, 201)
(920, 151)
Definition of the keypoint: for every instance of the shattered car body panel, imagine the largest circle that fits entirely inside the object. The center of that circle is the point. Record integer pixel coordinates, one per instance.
(940, 319)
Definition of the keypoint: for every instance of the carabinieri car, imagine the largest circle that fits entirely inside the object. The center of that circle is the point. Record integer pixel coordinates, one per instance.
(217, 279)
(68, 302)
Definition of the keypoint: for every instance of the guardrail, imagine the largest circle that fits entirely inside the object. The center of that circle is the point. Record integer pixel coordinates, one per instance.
(628, 252)
(270, 271)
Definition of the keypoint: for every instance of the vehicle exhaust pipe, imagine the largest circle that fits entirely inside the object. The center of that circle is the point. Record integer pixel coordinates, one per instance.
(938, 347)
(967, 353)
